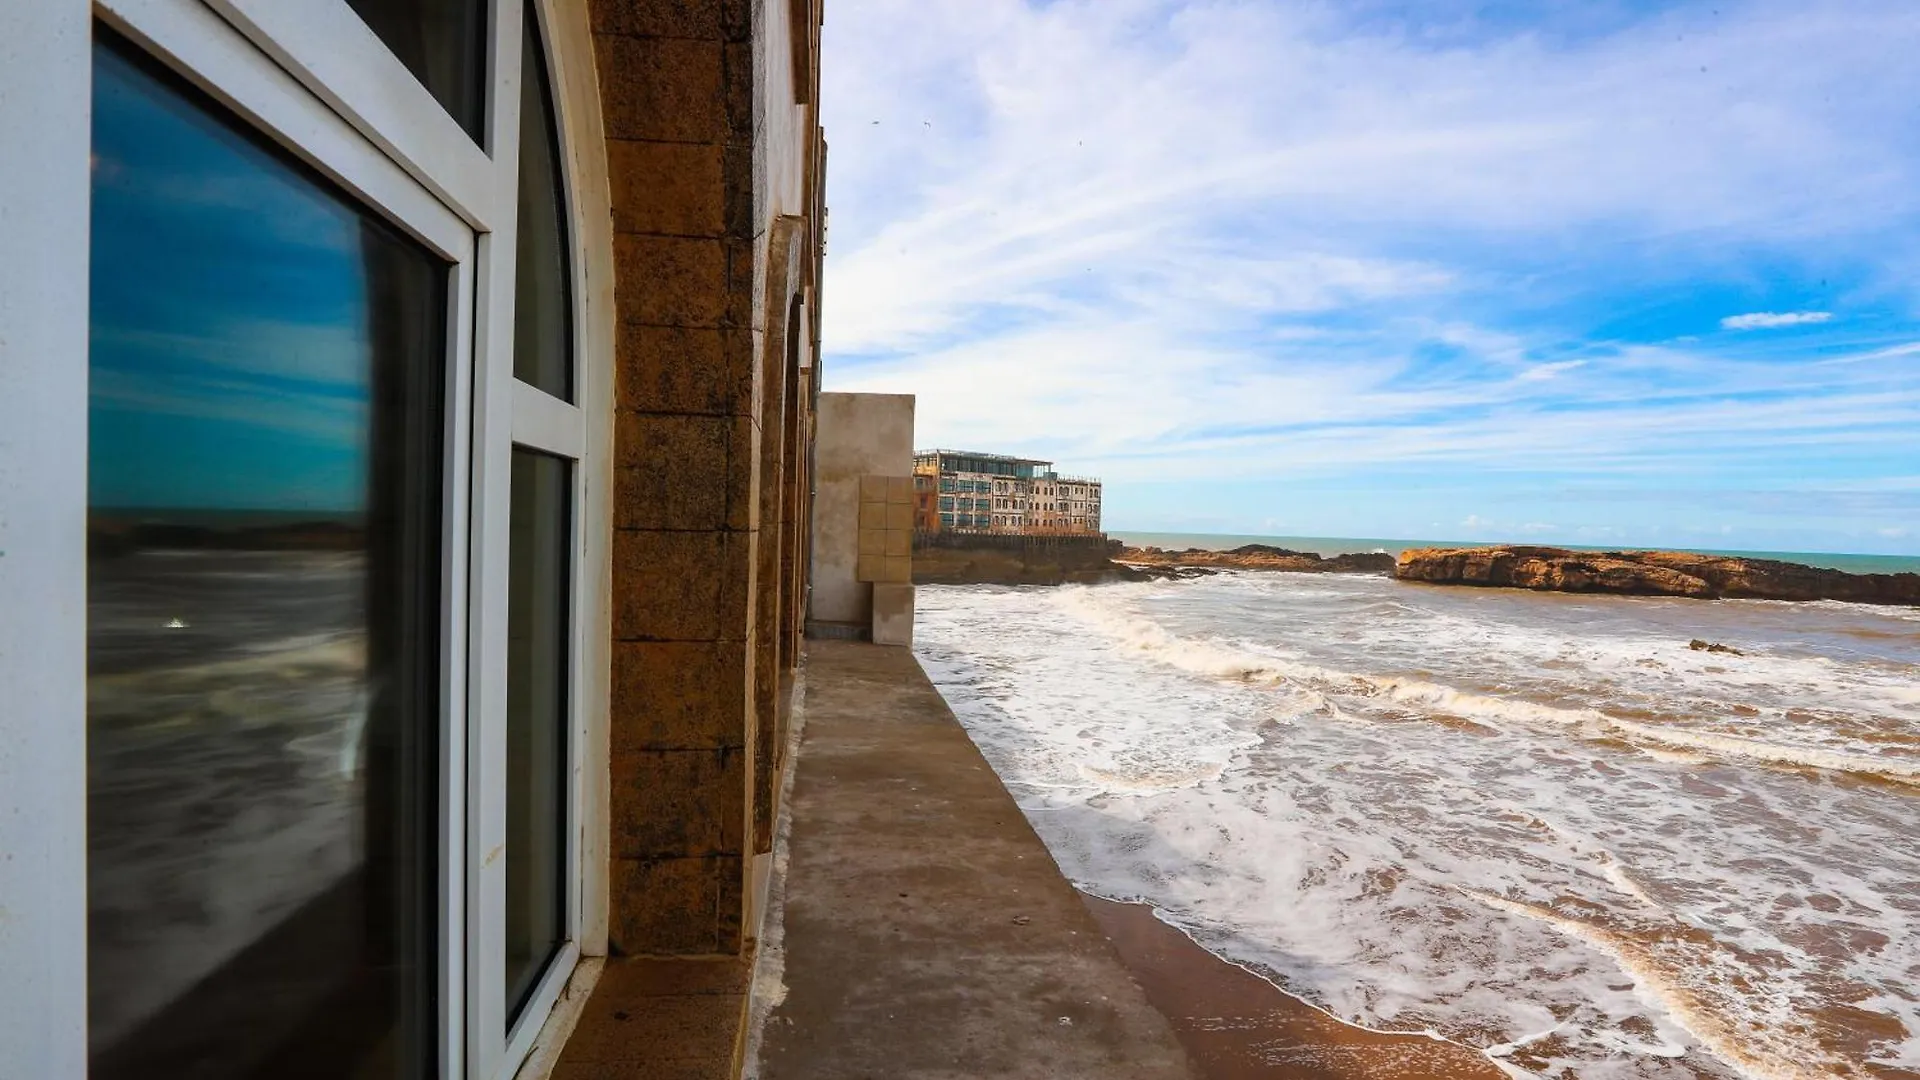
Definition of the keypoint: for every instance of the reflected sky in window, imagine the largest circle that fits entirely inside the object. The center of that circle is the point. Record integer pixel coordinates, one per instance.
(229, 326)
(266, 469)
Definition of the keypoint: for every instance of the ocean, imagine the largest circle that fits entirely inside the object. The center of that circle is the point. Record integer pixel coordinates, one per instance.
(1537, 825)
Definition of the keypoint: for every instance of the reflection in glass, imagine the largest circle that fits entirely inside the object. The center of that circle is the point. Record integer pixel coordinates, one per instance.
(538, 584)
(443, 42)
(263, 608)
(542, 332)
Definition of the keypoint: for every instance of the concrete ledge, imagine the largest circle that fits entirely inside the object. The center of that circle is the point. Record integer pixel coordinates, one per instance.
(664, 1019)
(927, 932)
(821, 630)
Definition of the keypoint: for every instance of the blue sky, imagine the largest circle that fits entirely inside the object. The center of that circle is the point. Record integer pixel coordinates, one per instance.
(1586, 272)
(229, 352)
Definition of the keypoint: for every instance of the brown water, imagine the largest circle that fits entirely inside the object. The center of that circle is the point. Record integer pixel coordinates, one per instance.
(1537, 826)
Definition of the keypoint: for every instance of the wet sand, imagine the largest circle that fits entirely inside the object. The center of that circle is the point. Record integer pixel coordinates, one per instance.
(1237, 1026)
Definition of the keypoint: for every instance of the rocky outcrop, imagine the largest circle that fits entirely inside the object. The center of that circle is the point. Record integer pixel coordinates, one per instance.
(1259, 557)
(1698, 645)
(1651, 573)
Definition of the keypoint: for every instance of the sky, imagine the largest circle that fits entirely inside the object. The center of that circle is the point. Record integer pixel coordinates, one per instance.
(230, 347)
(1558, 270)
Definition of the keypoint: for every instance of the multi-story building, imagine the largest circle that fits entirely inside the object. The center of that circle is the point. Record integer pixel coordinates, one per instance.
(1003, 494)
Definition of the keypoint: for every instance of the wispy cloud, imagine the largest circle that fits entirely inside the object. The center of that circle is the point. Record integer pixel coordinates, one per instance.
(1178, 242)
(1773, 320)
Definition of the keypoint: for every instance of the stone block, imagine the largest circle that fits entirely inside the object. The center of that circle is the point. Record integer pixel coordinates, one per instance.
(893, 614)
(742, 289)
(743, 473)
(673, 189)
(900, 489)
(873, 542)
(898, 543)
(671, 695)
(670, 280)
(737, 68)
(678, 803)
(676, 586)
(675, 369)
(898, 569)
(657, 18)
(873, 515)
(873, 489)
(669, 907)
(739, 190)
(666, 89)
(869, 567)
(730, 908)
(672, 471)
(900, 516)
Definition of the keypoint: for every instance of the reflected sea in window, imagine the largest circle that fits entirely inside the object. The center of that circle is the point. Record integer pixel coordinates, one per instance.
(264, 481)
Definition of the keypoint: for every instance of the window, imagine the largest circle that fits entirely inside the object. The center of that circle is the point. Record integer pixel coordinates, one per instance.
(341, 511)
(264, 710)
(946, 503)
(543, 285)
(443, 42)
(537, 694)
(540, 563)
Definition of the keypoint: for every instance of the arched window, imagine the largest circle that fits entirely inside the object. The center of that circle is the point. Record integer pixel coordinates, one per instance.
(338, 586)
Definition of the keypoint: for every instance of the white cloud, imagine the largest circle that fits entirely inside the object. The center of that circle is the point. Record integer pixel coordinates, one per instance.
(1773, 320)
(1168, 241)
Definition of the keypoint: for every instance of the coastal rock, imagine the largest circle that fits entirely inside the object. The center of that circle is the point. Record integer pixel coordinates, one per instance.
(1651, 573)
(1713, 646)
(1259, 557)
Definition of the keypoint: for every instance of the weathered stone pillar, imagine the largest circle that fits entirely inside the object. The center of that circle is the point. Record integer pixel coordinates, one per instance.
(676, 85)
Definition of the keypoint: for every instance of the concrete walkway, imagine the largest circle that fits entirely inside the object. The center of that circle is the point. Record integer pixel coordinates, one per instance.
(927, 932)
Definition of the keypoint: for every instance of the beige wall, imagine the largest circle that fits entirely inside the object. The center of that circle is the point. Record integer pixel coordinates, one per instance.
(858, 435)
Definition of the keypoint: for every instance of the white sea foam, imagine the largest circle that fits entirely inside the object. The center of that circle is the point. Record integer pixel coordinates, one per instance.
(1209, 658)
(1312, 776)
(1760, 1052)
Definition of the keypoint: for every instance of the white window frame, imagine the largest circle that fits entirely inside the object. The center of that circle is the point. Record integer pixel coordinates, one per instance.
(311, 77)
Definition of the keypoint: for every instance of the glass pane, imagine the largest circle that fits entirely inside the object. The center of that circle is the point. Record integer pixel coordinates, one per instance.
(444, 43)
(263, 607)
(539, 580)
(542, 311)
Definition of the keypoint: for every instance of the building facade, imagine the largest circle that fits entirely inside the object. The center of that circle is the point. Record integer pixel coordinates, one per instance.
(1002, 494)
(406, 412)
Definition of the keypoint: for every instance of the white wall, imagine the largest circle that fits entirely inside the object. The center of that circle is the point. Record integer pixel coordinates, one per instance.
(45, 108)
(859, 435)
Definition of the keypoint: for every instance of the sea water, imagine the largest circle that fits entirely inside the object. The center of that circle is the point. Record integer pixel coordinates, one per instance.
(1538, 825)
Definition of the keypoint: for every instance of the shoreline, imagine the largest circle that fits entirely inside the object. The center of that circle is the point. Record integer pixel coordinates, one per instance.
(1236, 1025)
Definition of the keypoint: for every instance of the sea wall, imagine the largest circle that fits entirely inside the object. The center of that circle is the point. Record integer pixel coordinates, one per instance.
(1651, 573)
(959, 558)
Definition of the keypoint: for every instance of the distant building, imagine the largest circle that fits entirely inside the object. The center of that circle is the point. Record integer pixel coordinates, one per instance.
(1002, 494)
(926, 507)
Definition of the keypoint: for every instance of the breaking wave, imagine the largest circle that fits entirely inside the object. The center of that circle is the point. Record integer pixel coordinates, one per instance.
(1228, 662)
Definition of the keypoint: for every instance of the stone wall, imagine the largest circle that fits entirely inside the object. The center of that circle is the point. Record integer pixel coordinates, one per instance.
(714, 184)
(960, 558)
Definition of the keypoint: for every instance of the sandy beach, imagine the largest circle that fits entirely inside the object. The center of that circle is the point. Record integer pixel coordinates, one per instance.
(1238, 1026)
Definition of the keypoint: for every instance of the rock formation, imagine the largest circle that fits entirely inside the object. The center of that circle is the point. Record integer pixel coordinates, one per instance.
(1651, 573)
(1259, 557)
